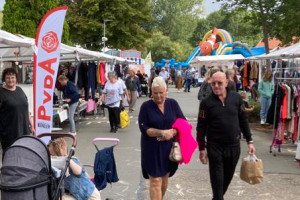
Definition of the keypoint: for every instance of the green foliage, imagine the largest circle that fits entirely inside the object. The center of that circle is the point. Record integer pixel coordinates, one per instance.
(264, 14)
(23, 17)
(126, 30)
(287, 22)
(162, 46)
(176, 19)
(203, 25)
(1, 20)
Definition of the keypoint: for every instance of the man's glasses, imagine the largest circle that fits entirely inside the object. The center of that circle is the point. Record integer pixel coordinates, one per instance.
(217, 83)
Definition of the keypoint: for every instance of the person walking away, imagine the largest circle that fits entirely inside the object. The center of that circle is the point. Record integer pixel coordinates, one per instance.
(156, 118)
(203, 70)
(132, 84)
(165, 74)
(179, 79)
(218, 140)
(15, 119)
(266, 89)
(189, 76)
(229, 75)
(112, 95)
(173, 75)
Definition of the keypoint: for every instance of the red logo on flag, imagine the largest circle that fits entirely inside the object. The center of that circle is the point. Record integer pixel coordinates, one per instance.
(50, 42)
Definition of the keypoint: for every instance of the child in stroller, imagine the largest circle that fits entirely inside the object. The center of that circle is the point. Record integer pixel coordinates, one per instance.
(77, 183)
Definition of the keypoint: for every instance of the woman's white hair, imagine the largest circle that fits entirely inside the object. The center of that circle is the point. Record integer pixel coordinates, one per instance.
(159, 82)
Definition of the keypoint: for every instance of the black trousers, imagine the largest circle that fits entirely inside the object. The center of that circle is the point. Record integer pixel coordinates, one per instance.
(222, 163)
(113, 113)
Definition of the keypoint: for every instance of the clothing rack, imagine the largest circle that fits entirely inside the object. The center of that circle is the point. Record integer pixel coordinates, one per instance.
(273, 144)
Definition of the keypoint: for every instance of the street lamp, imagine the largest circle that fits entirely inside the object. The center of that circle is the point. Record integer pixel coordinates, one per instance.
(104, 39)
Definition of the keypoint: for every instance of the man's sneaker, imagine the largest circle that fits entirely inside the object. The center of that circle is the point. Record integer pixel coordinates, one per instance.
(73, 133)
(262, 122)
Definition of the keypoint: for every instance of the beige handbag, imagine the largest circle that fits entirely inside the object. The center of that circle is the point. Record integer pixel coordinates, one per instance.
(175, 154)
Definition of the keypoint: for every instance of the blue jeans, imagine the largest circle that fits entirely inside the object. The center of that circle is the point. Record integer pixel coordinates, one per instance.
(187, 85)
(264, 107)
(72, 109)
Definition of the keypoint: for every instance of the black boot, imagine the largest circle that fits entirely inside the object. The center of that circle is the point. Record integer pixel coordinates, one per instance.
(112, 130)
(115, 129)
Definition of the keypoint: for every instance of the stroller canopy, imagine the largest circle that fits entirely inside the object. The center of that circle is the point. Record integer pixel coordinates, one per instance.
(26, 165)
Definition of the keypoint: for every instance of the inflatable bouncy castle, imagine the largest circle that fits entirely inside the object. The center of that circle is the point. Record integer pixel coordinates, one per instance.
(220, 42)
(217, 42)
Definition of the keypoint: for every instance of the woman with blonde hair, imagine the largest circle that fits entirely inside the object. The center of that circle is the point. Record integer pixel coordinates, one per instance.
(266, 89)
(231, 84)
(156, 118)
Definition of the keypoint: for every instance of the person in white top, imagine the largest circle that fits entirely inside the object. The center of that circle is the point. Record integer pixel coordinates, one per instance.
(165, 74)
(112, 95)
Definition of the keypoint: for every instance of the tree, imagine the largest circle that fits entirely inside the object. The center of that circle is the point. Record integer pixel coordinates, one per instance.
(203, 26)
(125, 30)
(23, 17)
(161, 47)
(287, 27)
(176, 19)
(264, 13)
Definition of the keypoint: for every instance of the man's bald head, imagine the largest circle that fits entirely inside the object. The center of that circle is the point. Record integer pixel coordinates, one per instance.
(219, 75)
(219, 83)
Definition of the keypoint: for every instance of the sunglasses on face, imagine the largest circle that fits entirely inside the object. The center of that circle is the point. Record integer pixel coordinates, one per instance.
(217, 83)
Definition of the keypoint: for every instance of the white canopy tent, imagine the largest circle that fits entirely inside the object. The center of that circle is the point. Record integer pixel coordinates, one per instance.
(231, 57)
(287, 52)
(217, 60)
(21, 48)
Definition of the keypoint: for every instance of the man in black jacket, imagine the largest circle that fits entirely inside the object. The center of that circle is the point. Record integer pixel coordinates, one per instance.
(221, 119)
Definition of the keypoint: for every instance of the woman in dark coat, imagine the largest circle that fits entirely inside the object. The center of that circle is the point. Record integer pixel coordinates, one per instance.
(156, 118)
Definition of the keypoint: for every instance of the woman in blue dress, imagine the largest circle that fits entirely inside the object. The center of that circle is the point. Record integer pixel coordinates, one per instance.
(156, 118)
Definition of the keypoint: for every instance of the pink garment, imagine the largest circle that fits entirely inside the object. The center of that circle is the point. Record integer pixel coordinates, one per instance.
(187, 142)
(102, 73)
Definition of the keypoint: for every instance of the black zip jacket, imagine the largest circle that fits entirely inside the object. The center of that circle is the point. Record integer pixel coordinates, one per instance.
(220, 123)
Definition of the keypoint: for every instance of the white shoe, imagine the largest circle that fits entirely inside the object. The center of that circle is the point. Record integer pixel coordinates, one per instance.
(73, 133)
(262, 122)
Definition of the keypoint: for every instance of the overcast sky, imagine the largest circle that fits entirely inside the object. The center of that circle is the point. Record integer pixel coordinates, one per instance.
(1, 4)
(208, 5)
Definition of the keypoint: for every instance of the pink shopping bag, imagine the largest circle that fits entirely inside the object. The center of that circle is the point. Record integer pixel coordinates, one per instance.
(90, 106)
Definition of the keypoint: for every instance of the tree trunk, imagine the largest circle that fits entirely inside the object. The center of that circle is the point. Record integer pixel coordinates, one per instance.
(265, 32)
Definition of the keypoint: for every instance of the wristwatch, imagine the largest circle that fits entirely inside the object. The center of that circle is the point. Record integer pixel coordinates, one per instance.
(250, 142)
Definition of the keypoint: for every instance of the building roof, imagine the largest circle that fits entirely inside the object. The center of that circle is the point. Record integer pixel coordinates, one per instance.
(273, 43)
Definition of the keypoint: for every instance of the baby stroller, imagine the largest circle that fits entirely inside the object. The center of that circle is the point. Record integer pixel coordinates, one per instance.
(144, 87)
(104, 164)
(26, 172)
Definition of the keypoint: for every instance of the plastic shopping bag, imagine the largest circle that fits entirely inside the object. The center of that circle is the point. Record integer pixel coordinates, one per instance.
(124, 119)
(252, 170)
(90, 106)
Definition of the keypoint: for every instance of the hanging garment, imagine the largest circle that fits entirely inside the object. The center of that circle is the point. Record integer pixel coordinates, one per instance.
(277, 99)
(254, 71)
(91, 80)
(105, 168)
(102, 73)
